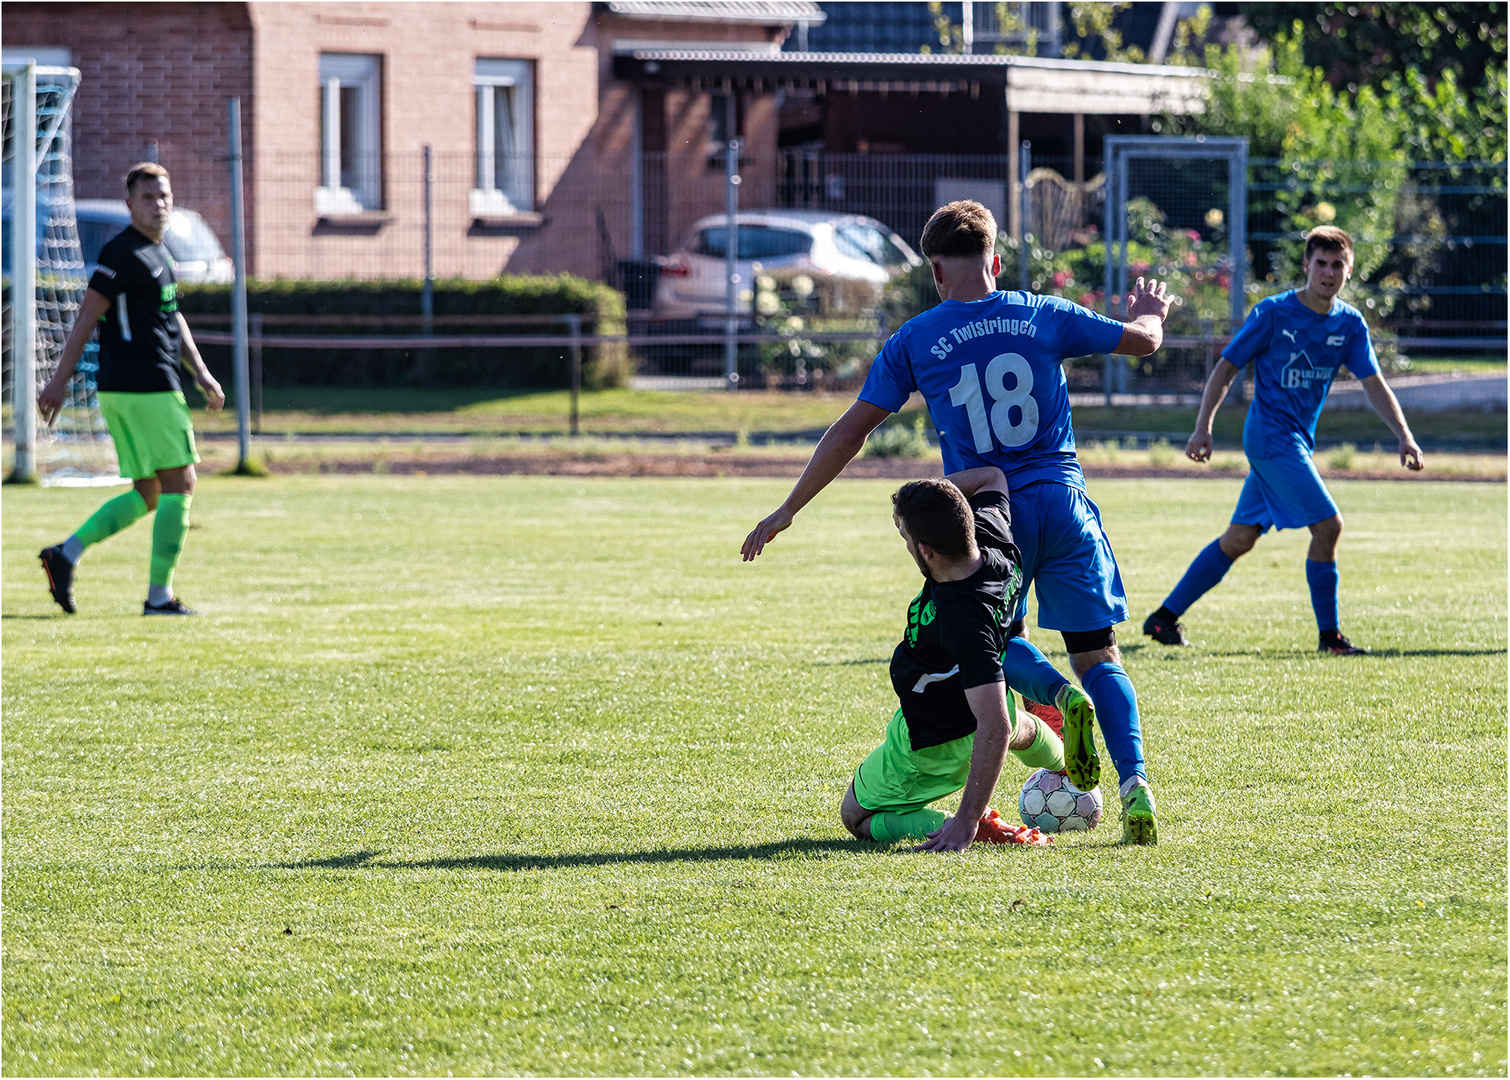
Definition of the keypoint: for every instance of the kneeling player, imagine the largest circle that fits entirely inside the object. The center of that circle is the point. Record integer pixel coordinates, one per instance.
(956, 719)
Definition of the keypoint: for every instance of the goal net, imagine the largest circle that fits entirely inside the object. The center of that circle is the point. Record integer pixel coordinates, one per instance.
(76, 448)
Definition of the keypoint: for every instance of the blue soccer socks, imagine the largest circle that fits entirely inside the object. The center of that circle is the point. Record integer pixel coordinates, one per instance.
(1322, 577)
(1209, 567)
(1111, 691)
(1029, 672)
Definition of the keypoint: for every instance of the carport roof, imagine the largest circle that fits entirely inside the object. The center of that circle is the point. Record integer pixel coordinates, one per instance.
(1031, 84)
(760, 12)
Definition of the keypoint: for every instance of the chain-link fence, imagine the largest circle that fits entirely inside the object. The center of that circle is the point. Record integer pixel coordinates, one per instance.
(1431, 272)
(1431, 243)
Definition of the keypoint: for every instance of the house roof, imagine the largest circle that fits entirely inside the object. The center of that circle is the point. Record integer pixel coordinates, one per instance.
(762, 12)
(1031, 84)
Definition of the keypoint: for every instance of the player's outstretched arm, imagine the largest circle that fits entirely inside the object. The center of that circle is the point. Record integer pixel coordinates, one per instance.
(992, 730)
(1383, 399)
(973, 481)
(91, 310)
(837, 448)
(1198, 446)
(1147, 308)
(214, 396)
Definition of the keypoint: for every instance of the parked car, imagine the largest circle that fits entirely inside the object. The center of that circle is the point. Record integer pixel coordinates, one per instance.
(693, 282)
(195, 249)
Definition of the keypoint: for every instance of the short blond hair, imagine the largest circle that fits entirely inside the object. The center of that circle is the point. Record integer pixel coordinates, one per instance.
(141, 171)
(1328, 238)
(963, 227)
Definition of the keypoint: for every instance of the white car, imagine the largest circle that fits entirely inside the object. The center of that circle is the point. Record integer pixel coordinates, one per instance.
(693, 279)
(196, 250)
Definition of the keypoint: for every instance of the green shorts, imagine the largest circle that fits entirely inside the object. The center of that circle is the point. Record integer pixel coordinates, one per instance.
(897, 779)
(151, 431)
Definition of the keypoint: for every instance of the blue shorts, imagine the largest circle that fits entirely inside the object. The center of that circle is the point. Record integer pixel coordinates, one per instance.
(1284, 493)
(1066, 554)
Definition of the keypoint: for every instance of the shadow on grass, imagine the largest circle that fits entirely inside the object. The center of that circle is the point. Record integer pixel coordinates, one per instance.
(852, 663)
(780, 850)
(362, 400)
(58, 615)
(1301, 653)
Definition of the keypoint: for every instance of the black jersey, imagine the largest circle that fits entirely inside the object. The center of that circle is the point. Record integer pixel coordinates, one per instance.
(139, 335)
(957, 632)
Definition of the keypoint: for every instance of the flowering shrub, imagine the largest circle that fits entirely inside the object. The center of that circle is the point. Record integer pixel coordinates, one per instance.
(795, 304)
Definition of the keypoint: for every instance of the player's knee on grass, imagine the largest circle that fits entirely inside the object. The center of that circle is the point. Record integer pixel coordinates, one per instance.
(1329, 530)
(854, 816)
(1238, 540)
(149, 489)
(177, 481)
(1087, 648)
(1024, 730)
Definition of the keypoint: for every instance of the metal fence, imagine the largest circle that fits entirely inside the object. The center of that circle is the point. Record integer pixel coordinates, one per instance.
(1440, 286)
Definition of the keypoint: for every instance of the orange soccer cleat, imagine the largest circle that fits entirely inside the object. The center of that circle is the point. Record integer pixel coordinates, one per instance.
(993, 830)
(1047, 713)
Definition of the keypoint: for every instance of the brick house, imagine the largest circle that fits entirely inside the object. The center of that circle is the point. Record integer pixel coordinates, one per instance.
(565, 136)
(531, 132)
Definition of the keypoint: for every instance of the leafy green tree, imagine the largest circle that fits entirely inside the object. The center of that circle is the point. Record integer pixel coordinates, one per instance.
(1443, 122)
(1365, 44)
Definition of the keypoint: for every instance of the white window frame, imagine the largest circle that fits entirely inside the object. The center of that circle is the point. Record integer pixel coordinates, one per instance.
(493, 195)
(361, 71)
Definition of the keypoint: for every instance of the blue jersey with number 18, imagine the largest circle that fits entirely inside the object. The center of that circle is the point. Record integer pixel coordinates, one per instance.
(992, 373)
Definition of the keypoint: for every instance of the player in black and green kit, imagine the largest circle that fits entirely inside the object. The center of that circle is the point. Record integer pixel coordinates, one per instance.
(133, 298)
(956, 720)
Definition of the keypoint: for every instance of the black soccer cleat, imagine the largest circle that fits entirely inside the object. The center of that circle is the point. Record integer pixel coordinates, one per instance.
(1164, 631)
(1334, 644)
(174, 606)
(59, 573)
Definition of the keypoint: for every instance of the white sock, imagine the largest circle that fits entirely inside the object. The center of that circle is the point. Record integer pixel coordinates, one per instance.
(73, 549)
(158, 595)
(1131, 782)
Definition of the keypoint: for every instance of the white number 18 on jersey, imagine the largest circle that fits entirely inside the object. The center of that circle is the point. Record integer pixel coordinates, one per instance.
(966, 392)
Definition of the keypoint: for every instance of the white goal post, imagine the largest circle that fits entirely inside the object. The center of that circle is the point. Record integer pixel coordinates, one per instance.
(44, 283)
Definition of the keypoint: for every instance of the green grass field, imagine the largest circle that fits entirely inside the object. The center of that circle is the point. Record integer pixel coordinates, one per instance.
(531, 775)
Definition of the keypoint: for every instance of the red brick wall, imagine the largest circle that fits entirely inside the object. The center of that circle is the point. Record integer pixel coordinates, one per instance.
(150, 72)
(428, 52)
(165, 71)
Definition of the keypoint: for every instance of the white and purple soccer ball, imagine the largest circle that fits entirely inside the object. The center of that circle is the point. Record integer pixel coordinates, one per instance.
(1051, 804)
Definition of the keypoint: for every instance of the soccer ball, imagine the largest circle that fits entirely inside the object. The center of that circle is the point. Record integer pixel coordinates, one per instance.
(1051, 804)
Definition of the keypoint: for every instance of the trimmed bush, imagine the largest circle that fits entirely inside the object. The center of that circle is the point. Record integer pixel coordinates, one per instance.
(601, 307)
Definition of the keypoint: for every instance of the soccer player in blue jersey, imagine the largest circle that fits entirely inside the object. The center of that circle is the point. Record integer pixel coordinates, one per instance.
(990, 365)
(1296, 342)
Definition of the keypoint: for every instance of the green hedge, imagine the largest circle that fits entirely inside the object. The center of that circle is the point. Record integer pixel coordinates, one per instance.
(601, 306)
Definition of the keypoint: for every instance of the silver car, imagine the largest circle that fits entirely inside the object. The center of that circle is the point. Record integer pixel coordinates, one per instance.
(693, 279)
(196, 250)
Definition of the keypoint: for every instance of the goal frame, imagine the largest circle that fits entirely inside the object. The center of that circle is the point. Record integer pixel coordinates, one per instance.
(43, 253)
(1120, 149)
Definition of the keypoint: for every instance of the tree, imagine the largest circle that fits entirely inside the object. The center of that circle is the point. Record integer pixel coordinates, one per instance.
(1365, 44)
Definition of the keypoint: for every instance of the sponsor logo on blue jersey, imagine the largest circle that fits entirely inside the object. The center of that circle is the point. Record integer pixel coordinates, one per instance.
(1300, 372)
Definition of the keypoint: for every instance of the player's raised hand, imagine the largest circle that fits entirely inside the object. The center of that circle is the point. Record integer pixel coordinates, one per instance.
(50, 400)
(1148, 298)
(1198, 446)
(1410, 455)
(956, 835)
(764, 533)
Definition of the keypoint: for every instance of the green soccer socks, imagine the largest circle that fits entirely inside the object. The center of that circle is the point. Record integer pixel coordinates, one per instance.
(1046, 751)
(115, 515)
(888, 828)
(169, 529)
